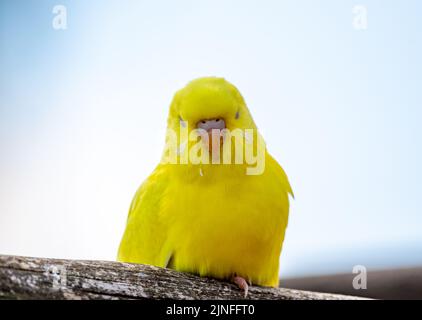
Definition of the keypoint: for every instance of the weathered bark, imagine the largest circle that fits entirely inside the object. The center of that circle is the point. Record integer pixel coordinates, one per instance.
(39, 278)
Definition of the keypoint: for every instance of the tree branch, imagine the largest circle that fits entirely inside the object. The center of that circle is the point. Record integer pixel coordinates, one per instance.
(40, 278)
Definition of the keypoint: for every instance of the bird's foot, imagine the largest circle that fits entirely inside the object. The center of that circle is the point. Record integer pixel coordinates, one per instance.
(242, 284)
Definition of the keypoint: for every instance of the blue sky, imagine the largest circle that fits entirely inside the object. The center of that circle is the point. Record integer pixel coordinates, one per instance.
(83, 111)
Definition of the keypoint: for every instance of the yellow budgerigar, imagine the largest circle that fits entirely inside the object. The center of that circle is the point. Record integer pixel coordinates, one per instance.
(217, 205)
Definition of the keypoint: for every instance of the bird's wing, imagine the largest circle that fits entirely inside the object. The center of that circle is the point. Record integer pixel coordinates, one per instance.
(144, 240)
(280, 174)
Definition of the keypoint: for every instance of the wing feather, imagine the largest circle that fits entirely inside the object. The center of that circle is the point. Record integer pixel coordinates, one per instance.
(144, 240)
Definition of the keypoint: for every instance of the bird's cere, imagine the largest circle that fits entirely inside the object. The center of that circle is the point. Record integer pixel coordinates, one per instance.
(212, 143)
(212, 124)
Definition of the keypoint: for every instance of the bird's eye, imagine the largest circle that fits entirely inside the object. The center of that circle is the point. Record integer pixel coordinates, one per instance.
(217, 120)
(237, 115)
(202, 121)
(182, 122)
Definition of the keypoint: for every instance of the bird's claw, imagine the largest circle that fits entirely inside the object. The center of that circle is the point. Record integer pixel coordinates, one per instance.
(242, 284)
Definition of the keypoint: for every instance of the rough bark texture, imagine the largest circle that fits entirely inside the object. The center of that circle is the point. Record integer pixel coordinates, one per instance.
(39, 278)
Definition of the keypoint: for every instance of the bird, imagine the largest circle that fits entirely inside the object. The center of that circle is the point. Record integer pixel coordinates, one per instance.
(210, 219)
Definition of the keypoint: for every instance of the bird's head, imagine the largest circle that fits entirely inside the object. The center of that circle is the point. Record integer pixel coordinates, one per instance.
(212, 110)
(209, 103)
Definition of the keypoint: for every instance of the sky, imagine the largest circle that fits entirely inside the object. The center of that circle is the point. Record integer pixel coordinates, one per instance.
(83, 114)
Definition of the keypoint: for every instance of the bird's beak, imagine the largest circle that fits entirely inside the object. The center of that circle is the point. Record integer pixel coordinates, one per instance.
(213, 127)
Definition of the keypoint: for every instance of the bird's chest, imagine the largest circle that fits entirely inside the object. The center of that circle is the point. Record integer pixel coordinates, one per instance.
(221, 209)
(224, 223)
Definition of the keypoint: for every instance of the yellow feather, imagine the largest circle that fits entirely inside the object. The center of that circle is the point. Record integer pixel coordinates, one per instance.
(212, 220)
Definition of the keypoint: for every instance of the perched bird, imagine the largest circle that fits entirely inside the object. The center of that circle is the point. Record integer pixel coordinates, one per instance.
(211, 219)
